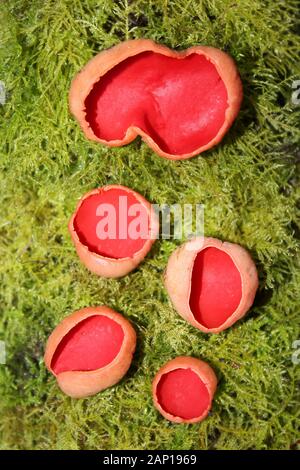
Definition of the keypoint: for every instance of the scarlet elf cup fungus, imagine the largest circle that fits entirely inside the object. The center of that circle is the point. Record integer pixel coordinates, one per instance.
(113, 228)
(183, 390)
(90, 350)
(210, 283)
(180, 103)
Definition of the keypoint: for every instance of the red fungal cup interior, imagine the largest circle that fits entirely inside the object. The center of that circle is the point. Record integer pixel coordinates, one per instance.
(182, 393)
(91, 344)
(216, 287)
(180, 103)
(112, 223)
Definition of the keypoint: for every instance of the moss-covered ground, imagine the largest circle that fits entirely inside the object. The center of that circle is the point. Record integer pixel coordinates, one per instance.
(249, 185)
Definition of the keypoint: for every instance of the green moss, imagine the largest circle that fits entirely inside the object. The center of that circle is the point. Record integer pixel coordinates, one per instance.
(248, 185)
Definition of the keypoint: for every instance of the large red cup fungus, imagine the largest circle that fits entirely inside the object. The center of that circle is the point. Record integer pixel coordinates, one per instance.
(113, 228)
(180, 103)
(183, 390)
(90, 350)
(210, 283)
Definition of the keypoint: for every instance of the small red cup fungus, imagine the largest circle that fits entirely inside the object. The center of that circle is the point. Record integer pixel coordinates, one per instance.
(183, 390)
(180, 103)
(113, 229)
(211, 283)
(90, 350)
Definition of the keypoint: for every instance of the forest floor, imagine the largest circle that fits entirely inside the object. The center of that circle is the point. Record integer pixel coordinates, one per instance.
(249, 185)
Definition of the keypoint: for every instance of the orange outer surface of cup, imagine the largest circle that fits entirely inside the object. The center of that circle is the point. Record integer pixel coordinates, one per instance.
(81, 384)
(178, 276)
(204, 372)
(111, 267)
(108, 59)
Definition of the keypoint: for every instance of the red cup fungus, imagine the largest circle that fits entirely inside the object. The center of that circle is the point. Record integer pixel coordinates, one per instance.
(183, 390)
(90, 350)
(180, 103)
(113, 229)
(211, 283)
